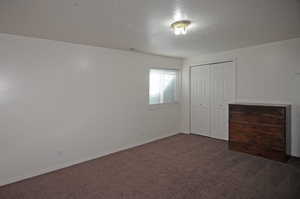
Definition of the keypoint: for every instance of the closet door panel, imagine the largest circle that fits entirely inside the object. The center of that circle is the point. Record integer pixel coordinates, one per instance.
(222, 93)
(217, 102)
(200, 100)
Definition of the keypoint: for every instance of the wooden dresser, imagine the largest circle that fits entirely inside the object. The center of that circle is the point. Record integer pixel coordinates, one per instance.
(260, 129)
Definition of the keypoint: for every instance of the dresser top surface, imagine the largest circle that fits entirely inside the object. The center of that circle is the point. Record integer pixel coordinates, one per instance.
(260, 104)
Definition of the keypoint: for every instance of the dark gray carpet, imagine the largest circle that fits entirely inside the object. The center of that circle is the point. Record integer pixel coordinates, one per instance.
(178, 167)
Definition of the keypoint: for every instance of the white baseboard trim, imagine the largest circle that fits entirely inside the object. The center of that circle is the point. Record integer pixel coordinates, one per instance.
(185, 131)
(72, 163)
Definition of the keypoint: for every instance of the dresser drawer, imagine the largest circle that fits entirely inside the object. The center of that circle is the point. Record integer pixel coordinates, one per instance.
(269, 142)
(265, 136)
(257, 129)
(257, 115)
(259, 151)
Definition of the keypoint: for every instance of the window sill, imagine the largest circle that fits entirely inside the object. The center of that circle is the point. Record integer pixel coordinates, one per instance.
(161, 106)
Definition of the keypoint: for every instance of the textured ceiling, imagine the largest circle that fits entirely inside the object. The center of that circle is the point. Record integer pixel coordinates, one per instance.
(218, 25)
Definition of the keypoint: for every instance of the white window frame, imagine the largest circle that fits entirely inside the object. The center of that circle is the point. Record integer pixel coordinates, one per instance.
(176, 89)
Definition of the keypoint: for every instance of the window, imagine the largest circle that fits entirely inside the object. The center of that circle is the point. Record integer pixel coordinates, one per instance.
(163, 86)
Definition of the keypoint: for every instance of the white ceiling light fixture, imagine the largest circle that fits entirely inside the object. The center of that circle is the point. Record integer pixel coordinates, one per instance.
(180, 27)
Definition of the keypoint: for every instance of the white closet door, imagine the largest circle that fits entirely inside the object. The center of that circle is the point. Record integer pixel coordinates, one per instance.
(222, 93)
(200, 100)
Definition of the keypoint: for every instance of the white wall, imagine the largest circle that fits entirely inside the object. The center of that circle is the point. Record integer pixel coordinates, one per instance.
(62, 103)
(265, 73)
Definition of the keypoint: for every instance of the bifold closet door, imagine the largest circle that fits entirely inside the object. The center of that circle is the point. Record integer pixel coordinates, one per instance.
(200, 100)
(222, 81)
